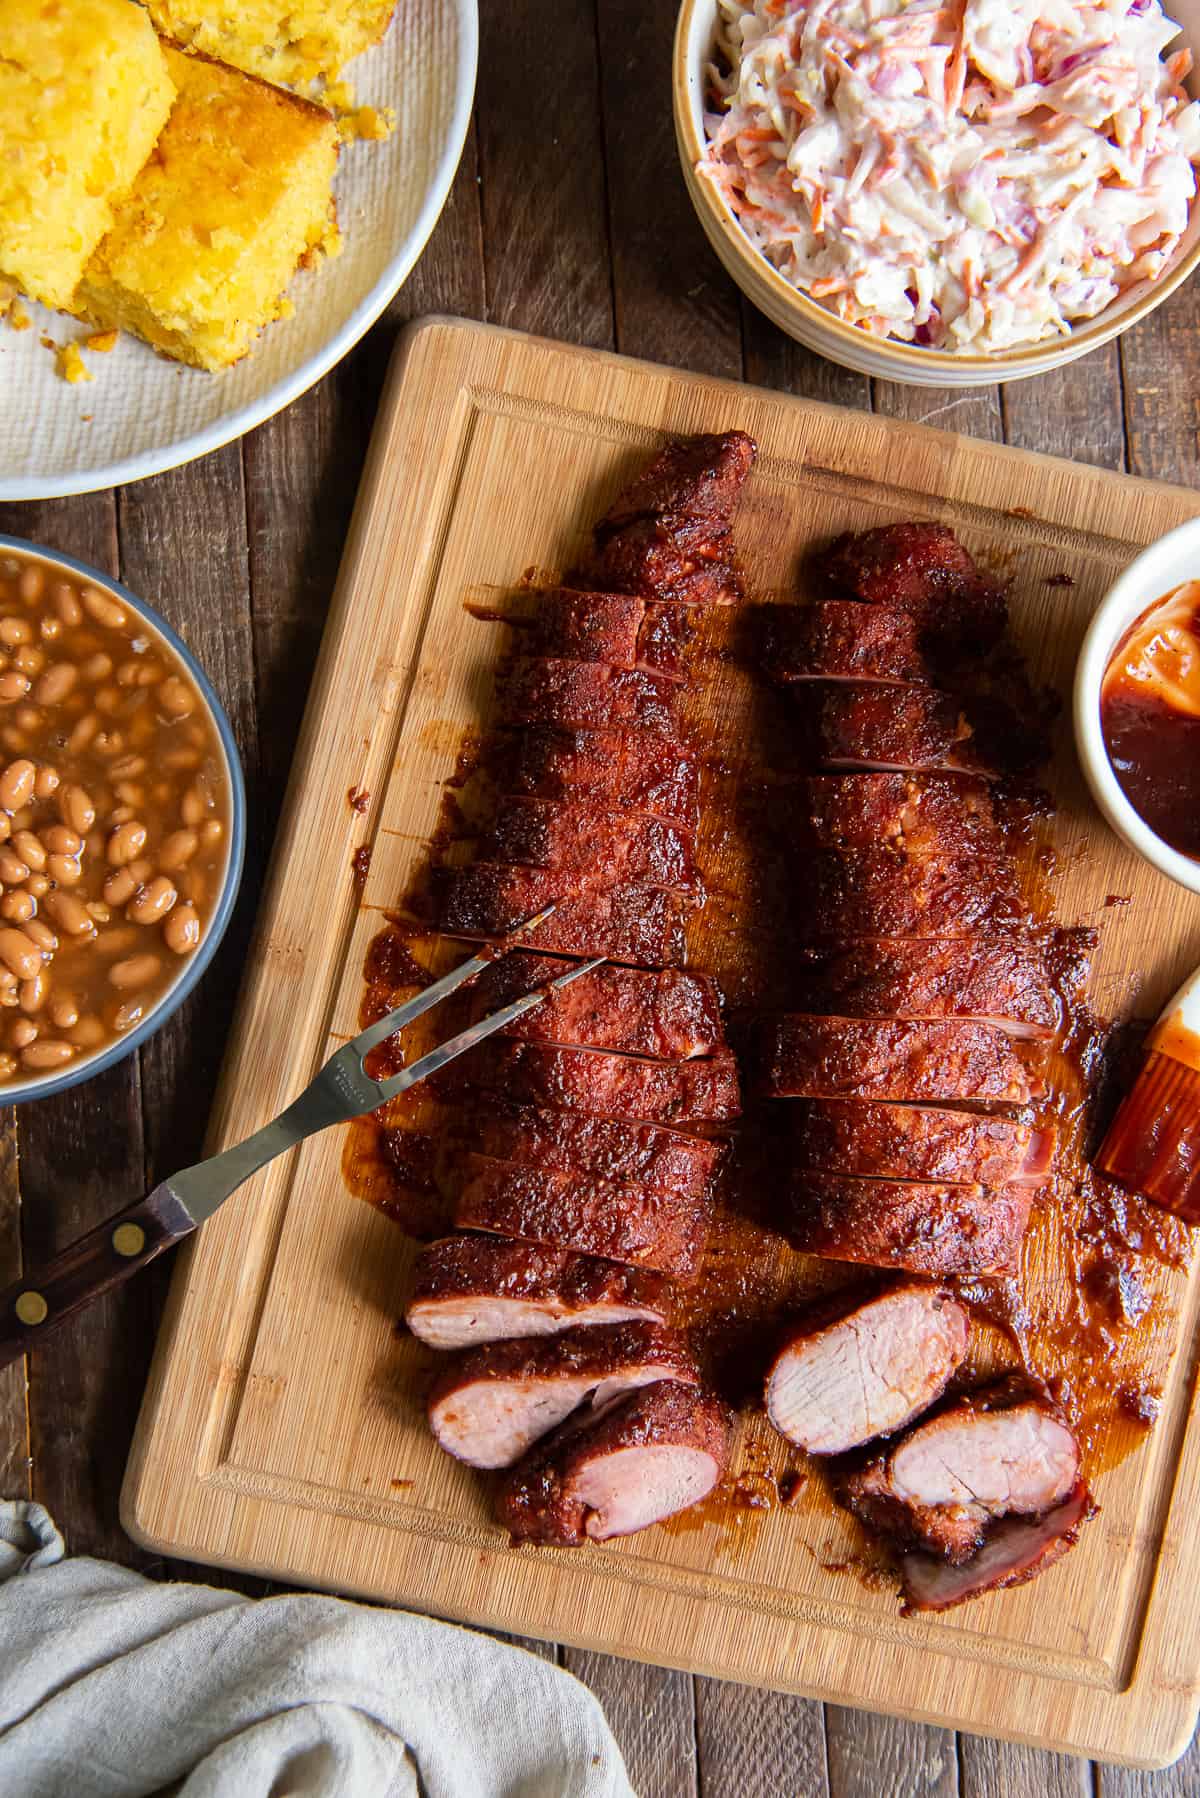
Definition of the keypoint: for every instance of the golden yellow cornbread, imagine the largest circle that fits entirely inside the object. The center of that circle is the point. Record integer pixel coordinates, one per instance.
(84, 92)
(234, 196)
(288, 41)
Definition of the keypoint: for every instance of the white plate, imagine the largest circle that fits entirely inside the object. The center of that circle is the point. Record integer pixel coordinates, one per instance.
(141, 413)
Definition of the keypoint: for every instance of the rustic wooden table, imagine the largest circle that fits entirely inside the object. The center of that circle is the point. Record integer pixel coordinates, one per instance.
(568, 218)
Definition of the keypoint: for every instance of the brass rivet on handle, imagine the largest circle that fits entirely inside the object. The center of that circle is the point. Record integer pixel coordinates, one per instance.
(32, 1308)
(129, 1240)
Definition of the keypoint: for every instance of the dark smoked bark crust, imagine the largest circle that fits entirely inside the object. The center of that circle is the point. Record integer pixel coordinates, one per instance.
(628, 922)
(843, 639)
(879, 892)
(622, 629)
(921, 568)
(637, 772)
(562, 693)
(666, 1231)
(921, 814)
(605, 1085)
(855, 725)
(634, 1011)
(581, 837)
(668, 534)
(915, 1142)
(922, 1227)
(645, 1155)
(538, 1500)
(488, 1267)
(811, 1057)
(1000, 977)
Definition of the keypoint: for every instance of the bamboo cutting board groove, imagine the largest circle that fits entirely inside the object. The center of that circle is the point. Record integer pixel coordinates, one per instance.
(282, 1428)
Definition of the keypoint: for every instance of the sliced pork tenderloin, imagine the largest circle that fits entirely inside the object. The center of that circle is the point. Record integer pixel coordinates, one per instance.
(563, 693)
(923, 569)
(623, 629)
(921, 814)
(628, 922)
(666, 1015)
(489, 1404)
(861, 1366)
(1016, 1549)
(936, 1230)
(477, 1289)
(918, 1142)
(603, 1084)
(638, 771)
(880, 893)
(659, 1160)
(844, 639)
(950, 1059)
(997, 979)
(910, 729)
(657, 1452)
(668, 535)
(582, 837)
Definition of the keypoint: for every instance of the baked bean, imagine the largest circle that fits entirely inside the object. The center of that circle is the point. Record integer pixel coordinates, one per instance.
(60, 840)
(5, 827)
(69, 913)
(30, 849)
(108, 743)
(18, 907)
(30, 660)
(75, 808)
(63, 1010)
(45, 782)
(23, 1032)
(13, 686)
(126, 843)
(67, 606)
(178, 850)
(104, 610)
(128, 767)
(120, 887)
(175, 698)
(130, 792)
(64, 870)
(151, 903)
(121, 814)
(98, 911)
(83, 734)
(16, 785)
(56, 683)
(134, 971)
(141, 869)
(39, 932)
(23, 819)
(13, 871)
(15, 741)
(20, 954)
(14, 631)
(50, 629)
(38, 885)
(89, 1033)
(30, 583)
(31, 995)
(8, 1066)
(97, 668)
(181, 931)
(116, 942)
(194, 806)
(212, 832)
(127, 1015)
(182, 761)
(47, 1054)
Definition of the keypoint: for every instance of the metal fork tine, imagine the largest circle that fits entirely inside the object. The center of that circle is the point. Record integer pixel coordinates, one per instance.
(475, 1033)
(430, 996)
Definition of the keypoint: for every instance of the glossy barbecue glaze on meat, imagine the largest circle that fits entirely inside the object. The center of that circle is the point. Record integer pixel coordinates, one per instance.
(620, 628)
(557, 691)
(860, 1366)
(923, 1227)
(657, 1452)
(668, 1014)
(920, 814)
(585, 838)
(667, 1162)
(942, 1059)
(669, 534)
(622, 1222)
(843, 639)
(1015, 1550)
(997, 979)
(917, 1142)
(999, 1451)
(605, 1085)
(488, 1405)
(921, 568)
(877, 892)
(910, 729)
(476, 1289)
(635, 772)
(628, 921)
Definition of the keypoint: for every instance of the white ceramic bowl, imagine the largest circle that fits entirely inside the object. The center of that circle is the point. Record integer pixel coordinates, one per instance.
(1166, 564)
(817, 328)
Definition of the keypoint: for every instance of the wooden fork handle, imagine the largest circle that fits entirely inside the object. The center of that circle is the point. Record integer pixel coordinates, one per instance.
(93, 1265)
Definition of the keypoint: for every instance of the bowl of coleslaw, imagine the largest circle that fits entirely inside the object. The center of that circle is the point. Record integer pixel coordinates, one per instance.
(944, 195)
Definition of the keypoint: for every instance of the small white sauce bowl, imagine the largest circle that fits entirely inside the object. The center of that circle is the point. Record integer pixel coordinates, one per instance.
(1174, 559)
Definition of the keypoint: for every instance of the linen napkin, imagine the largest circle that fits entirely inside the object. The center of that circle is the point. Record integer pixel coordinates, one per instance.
(113, 1685)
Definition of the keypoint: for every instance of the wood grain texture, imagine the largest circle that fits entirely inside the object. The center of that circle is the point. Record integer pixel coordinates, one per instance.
(652, 1716)
(217, 1468)
(1005, 1770)
(15, 1460)
(870, 1755)
(757, 1744)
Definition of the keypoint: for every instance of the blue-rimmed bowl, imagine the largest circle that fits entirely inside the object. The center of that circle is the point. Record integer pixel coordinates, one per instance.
(16, 1092)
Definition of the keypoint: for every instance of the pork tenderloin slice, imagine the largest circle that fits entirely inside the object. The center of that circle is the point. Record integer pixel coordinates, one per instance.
(627, 922)
(844, 639)
(861, 1367)
(657, 1452)
(623, 629)
(560, 691)
(604, 1084)
(581, 837)
(1016, 1550)
(645, 1155)
(921, 568)
(490, 1404)
(474, 1289)
(1002, 1450)
(667, 1015)
(813, 1057)
(935, 1230)
(666, 1231)
(908, 729)
(881, 893)
(694, 483)
(918, 1142)
(637, 771)
(997, 979)
(921, 814)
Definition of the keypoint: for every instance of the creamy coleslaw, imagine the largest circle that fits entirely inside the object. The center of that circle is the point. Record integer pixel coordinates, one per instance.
(970, 176)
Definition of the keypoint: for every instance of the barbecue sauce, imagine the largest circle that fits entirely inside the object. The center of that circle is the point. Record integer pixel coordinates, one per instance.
(1150, 717)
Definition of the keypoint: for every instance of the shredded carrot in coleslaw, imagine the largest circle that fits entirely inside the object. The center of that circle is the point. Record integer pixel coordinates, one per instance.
(969, 176)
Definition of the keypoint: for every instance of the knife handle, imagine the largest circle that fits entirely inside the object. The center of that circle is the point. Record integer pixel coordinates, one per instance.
(93, 1265)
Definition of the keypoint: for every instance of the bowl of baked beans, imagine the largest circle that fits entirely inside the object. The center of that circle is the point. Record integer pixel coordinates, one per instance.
(122, 821)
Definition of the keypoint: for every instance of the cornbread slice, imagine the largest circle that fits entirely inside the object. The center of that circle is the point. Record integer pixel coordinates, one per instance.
(288, 41)
(84, 92)
(234, 196)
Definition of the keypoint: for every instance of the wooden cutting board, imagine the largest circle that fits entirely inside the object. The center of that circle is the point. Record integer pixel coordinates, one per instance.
(282, 1429)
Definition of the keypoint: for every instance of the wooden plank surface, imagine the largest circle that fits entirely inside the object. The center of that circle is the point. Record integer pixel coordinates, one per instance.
(299, 474)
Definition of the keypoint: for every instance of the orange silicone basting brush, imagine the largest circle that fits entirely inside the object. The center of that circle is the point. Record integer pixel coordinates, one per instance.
(1153, 1143)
